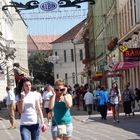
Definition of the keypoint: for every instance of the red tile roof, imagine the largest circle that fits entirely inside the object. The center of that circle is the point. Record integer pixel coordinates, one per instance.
(42, 42)
(71, 34)
(31, 44)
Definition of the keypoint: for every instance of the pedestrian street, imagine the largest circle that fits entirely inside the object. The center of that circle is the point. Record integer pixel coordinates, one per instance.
(94, 129)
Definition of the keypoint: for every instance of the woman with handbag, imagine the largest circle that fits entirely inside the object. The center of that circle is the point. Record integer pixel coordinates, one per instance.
(60, 103)
(115, 98)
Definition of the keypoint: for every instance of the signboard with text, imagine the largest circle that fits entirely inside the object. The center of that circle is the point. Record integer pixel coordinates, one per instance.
(132, 54)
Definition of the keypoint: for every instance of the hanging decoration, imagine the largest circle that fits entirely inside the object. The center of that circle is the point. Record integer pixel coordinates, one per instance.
(33, 4)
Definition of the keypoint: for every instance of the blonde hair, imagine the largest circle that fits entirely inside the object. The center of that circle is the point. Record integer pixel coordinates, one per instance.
(59, 82)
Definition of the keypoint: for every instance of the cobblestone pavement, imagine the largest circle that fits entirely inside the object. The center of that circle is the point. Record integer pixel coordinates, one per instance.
(93, 129)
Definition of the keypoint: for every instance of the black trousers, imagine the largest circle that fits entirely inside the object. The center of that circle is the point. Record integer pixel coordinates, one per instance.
(103, 111)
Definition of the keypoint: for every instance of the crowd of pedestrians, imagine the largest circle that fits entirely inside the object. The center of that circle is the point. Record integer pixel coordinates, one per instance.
(57, 101)
(103, 100)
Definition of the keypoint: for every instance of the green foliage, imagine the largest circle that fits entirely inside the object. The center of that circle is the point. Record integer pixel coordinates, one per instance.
(41, 69)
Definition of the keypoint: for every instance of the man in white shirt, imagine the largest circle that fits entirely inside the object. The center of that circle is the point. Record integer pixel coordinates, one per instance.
(89, 101)
(46, 98)
(10, 102)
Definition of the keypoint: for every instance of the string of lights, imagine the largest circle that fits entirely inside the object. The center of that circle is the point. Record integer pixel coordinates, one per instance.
(65, 14)
(53, 15)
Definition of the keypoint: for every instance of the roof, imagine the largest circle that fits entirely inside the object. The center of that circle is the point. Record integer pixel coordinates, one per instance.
(45, 38)
(31, 44)
(72, 33)
(41, 42)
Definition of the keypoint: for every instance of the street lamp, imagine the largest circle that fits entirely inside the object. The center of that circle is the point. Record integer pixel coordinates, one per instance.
(53, 58)
(75, 59)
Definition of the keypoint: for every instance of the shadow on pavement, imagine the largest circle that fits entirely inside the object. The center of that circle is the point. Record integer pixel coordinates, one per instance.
(4, 114)
(131, 124)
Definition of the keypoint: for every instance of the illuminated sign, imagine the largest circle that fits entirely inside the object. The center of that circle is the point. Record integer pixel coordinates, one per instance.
(132, 54)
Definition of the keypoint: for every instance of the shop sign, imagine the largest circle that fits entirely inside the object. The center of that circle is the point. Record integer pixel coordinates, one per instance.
(123, 48)
(98, 73)
(132, 54)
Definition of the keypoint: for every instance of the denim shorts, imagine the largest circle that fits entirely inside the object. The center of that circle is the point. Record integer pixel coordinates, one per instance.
(69, 129)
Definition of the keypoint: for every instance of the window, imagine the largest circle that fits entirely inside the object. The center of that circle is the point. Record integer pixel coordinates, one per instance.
(72, 55)
(66, 78)
(122, 24)
(125, 19)
(82, 79)
(128, 15)
(81, 54)
(57, 76)
(65, 56)
(55, 53)
(120, 21)
(135, 11)
(73, 78)
(131, 12)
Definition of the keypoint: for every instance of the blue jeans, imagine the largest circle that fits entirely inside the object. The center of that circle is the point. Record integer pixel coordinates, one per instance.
(30, 131)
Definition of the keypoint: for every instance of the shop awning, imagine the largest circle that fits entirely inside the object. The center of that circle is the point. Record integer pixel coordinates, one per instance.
(125, 65)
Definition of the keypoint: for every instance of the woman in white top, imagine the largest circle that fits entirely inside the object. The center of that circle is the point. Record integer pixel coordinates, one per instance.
(115, 98)
(29, 107)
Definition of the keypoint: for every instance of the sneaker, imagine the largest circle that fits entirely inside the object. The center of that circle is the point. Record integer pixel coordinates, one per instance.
(117, 121)
(114, 121)
(133, 114)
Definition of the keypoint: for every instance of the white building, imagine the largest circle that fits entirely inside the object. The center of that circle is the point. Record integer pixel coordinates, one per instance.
(13, 45)
(68, 55)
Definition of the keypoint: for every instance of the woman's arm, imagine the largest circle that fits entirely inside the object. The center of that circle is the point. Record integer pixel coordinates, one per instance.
(68, 100)
(52, 101)
(20, 103)
(40, 112)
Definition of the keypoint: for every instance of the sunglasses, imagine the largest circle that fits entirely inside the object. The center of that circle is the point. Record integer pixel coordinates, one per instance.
(60, 90)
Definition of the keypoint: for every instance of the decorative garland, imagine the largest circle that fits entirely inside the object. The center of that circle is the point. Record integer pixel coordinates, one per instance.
(33, 4)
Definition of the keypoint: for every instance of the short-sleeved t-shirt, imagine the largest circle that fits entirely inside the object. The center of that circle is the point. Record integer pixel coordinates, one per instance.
(46, 97)
(29, 115)
(114, 96)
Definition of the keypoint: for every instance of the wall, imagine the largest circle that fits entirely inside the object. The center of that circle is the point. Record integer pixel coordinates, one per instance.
(68, 67)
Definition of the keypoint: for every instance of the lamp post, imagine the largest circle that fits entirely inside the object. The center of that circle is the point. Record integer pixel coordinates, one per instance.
(75, 59)
(53, 58)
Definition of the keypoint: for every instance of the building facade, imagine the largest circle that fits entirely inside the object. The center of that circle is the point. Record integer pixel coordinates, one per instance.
(102, 30)
(113, 35)
(129, 36)
(13, 46)
(69, 53)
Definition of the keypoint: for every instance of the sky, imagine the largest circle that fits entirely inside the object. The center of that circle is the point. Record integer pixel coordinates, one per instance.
(54, 22)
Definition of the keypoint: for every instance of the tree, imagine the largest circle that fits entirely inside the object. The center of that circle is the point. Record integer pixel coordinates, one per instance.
(41, 69)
